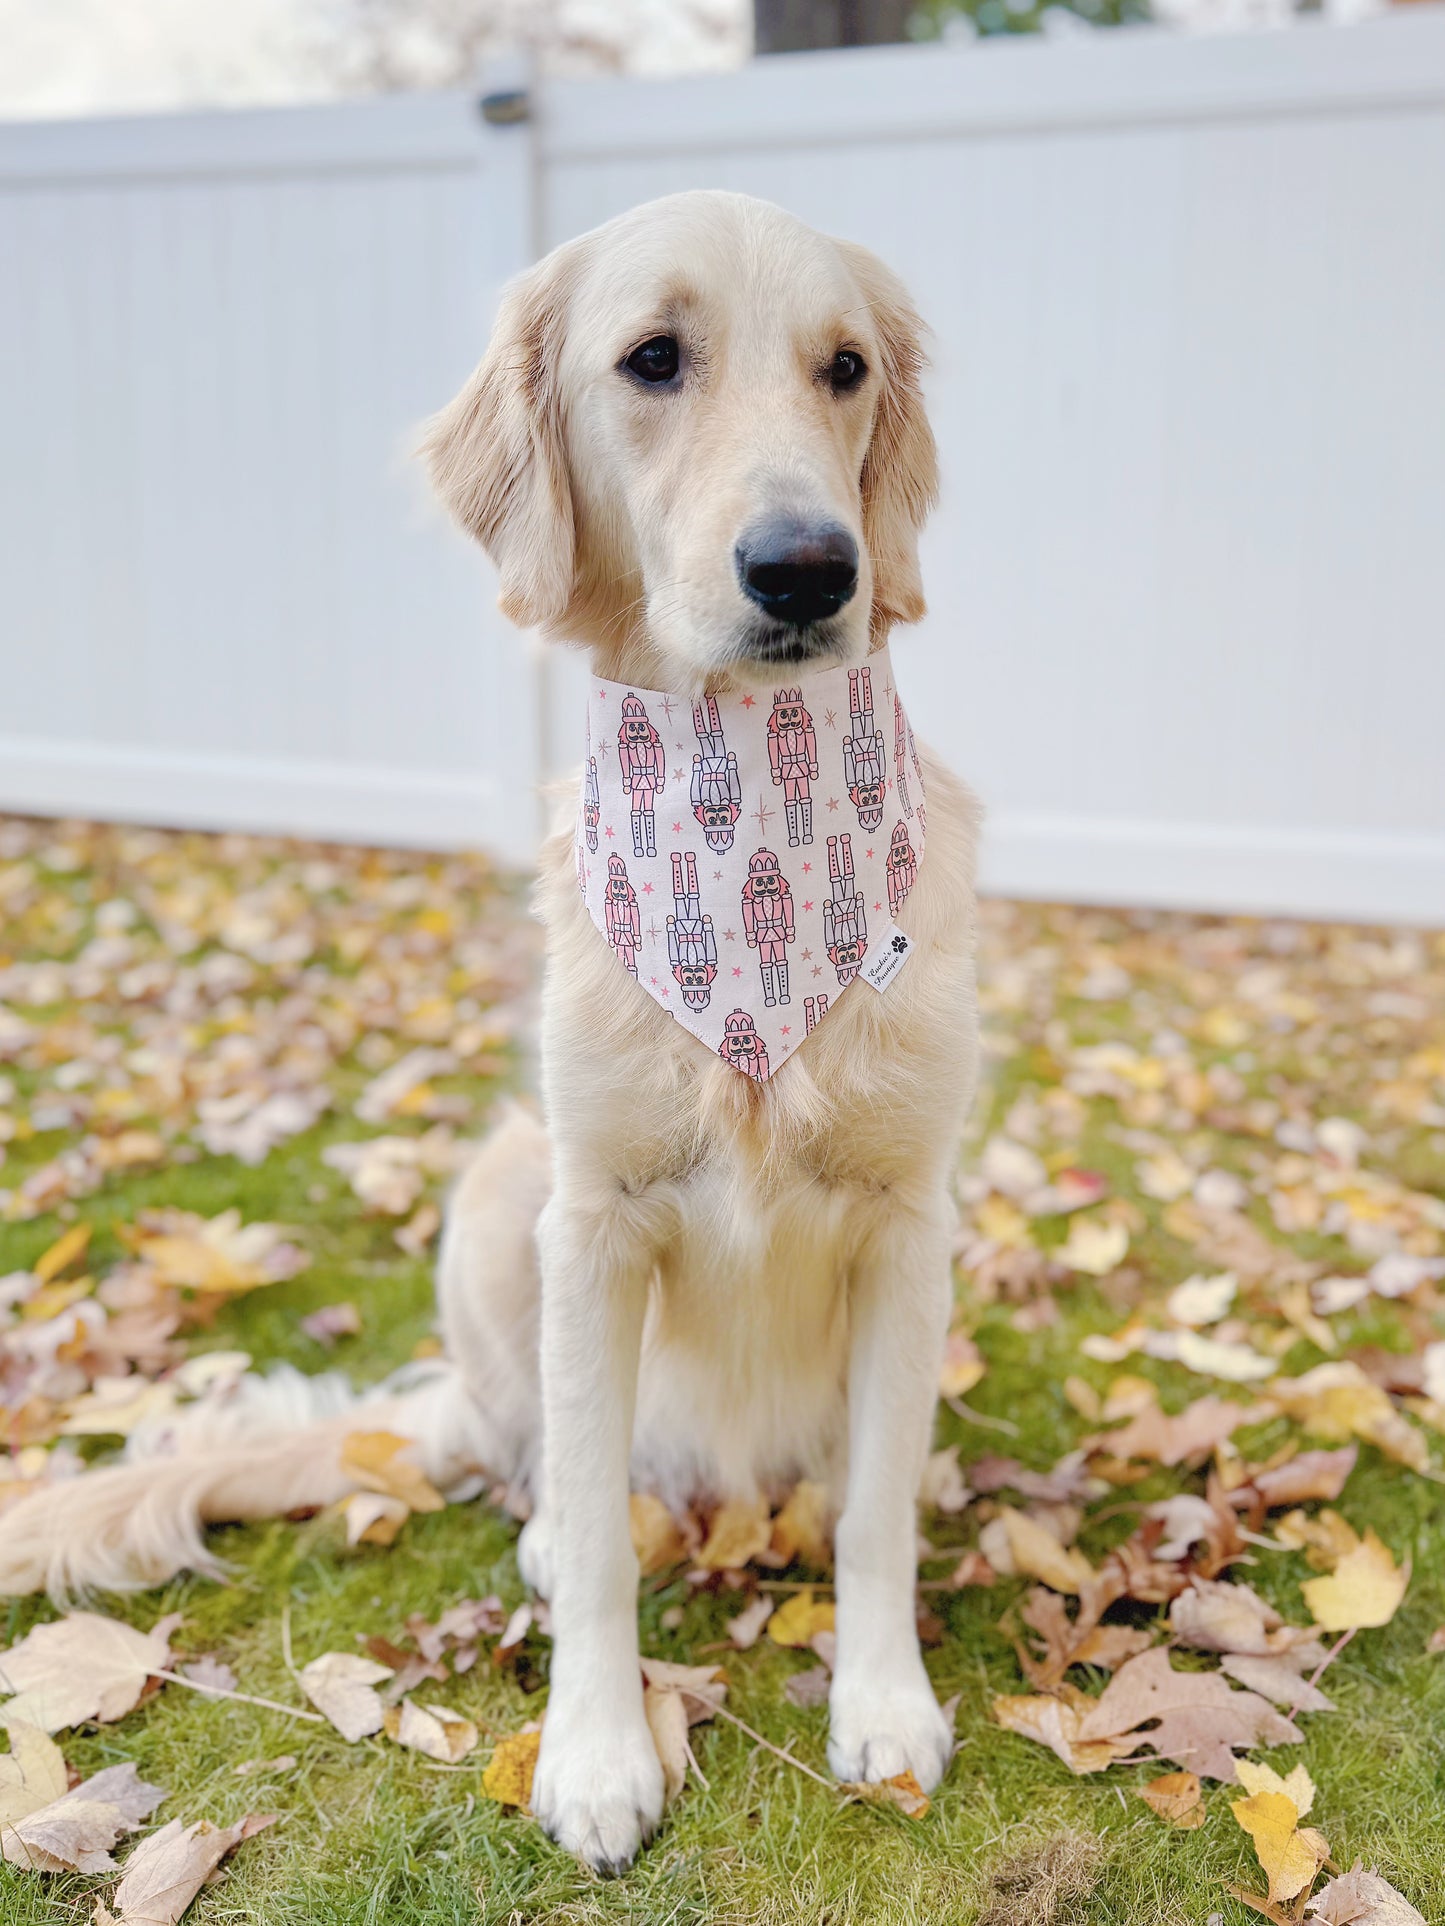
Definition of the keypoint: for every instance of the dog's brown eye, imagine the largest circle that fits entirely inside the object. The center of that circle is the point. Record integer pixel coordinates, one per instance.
(846, 370)
(655, 361)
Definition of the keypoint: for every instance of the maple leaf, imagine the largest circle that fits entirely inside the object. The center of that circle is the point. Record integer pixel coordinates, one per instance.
(1364, 1589)
(1194, 1718)
(1337, 1400)
(1056, 1720)
(341, 1685)
(1213, 1616)
(1067, 1642)
(220, 1256)
(75, 1831)
(1197, 1430)
(1360, 1898)
(83, 1666)
(1175, 1796)
(32, 1774)
(165, 1872)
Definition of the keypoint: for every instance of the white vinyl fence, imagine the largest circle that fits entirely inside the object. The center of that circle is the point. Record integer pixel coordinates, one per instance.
(1187, 584)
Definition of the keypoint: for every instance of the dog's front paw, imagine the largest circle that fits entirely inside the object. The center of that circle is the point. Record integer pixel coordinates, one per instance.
(598, 1789)
(881, 1727)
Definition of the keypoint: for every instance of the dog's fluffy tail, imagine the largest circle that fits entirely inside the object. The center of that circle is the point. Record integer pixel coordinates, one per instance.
(273, 1447)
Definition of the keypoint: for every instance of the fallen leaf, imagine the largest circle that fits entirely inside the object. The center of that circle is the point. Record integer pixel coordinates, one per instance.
(82, 1667)
(800, 1529)
(1199, 1429)
(797, 1622)
(1360, 1898)
(508, 1776)
(1289, 1856)
(1277, 1679)
(1194, 1718)
(32, 1774)
(1056, 1720)
(374, 1460)
(331, 1322)
(341, 1687)
(1094, 1246)
(62, 1253)
(75, 1831)
(372, 1518)
(1337, 1400)
(431, 1729)
(1037, 1553)
(963, 1366)
(1364, 1589)
(902, 1791)
(747, 1628)
(1175, 1796)
(165, 1872)
(656, 1535)
(739, 1531)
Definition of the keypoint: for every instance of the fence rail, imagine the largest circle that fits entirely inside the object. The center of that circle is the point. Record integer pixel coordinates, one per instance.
(1187, 586)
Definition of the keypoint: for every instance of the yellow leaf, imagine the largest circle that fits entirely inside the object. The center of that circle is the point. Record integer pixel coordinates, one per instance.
(372, 1459)
(1365, 1588)
(799, 1621)
(1037, 1553)
(740, 1530)
(1297, 1785)
(903, 1791)
(1175, 1796)
(656, 1536)
(800, 1530)
(1002, 1221)
(1291, 1858)
(508, 1777)
(62, 1253)
(1337, 1401)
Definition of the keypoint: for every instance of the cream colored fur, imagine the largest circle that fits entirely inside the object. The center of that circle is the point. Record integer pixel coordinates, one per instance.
(725, 1285)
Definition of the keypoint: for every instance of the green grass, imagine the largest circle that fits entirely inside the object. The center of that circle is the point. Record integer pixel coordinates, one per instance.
(371, 1835)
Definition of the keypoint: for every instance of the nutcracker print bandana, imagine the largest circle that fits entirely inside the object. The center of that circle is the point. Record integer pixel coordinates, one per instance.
(746, 862)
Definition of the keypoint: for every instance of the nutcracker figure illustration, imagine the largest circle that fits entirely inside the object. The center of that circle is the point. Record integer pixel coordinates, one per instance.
(902, 749)
(793, 757)
(768, 922)
(902, 868)
(591, 804)
(863, 751)
(715, 792)
(743, 1048)
(815, 1008)
(845, 927)
(691, 946)
(639, 757)
(624, 924)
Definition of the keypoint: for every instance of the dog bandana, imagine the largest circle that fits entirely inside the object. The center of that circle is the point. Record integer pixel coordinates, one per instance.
(746, 862)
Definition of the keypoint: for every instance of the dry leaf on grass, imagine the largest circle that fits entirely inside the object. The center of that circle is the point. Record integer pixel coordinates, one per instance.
(738, 1532)
(1194, 1718)
(1337, 1400)
(1213, 1616)
(374, 1519)
(800, 1529)
(902, 1791)
(1036, 1552)
(1175, 1796)
(1360, 1898)
(1309, 1475)
(1094, 1246)
(1056, 1720)
(962, 1368)
(81, 1667)
(1280, 1680)
(508, 1776)
(1194, 1433)
(341, 1685)
(797, 1622)
(1069, 1641)
(374, 1459)
(219, 1257)
(674, 1698)
(656, 1535)
(165, 1872)
(747, 1628)
(1290, 1855)
(435, 1730)
(32, 1774)
(1364, 1589)
(75, 1831)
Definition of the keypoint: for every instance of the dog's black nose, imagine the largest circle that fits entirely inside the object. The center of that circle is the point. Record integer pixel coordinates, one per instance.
(799, 572)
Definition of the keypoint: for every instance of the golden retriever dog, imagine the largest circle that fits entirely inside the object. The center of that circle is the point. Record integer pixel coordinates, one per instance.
(693, 1282)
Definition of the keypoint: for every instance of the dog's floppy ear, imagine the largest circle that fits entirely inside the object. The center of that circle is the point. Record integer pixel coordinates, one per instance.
(497, 454)
(900, 470)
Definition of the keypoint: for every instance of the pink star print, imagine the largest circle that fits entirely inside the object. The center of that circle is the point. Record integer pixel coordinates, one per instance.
(677, 829)
(806, 868)
(748, 701)
(647, 891)
(878, 906)
(737, 969)
(787, 1030)
(807, 906)
(609, 830)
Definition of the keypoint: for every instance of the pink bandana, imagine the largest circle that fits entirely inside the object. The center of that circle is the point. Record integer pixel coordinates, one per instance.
(697, 859)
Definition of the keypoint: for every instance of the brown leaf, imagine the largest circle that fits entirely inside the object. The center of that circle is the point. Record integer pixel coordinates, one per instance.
(903, 1791)
(76, 1831)
(1056, 1720)
(1193, 1718)
(1360, 1898)
(1175, 1796)
(1199, 1429)
(434, 1730)
(165, 1872)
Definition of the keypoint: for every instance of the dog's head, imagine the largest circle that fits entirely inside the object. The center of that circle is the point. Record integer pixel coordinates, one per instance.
(702, 420)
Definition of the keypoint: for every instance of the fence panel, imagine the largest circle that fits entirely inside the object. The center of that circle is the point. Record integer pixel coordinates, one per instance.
(228, 601)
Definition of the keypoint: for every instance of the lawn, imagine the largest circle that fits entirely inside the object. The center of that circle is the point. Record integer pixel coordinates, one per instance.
(1203, 1095)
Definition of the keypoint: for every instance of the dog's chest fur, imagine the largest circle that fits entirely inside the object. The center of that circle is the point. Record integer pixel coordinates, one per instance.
(762, 1193)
